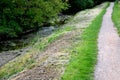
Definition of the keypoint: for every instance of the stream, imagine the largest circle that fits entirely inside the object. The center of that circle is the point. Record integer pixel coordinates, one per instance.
(14, 48)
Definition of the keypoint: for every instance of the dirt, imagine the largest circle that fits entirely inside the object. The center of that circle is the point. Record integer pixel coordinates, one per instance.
(108, 66)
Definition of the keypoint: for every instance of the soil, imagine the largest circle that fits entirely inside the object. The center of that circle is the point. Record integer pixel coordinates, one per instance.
(108, 66)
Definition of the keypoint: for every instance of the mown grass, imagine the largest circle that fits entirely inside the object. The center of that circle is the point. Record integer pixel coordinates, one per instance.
(116, 16)
(28, 60)
(84, 53)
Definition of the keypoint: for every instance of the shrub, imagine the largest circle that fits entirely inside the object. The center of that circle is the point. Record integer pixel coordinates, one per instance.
(18, 16)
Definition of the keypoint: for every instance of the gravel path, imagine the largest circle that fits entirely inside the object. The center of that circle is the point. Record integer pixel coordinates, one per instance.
(108, 67)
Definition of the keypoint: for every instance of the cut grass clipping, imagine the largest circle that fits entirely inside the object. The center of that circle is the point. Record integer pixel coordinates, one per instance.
(84, 53)
(28, 60)
(116, 16)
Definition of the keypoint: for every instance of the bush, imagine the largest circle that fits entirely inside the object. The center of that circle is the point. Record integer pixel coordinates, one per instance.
(18, 16)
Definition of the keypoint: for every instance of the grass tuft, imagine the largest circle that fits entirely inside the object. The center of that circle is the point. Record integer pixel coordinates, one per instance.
(116, 16)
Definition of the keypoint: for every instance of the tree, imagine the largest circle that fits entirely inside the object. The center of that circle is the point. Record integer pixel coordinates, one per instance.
(18, 16)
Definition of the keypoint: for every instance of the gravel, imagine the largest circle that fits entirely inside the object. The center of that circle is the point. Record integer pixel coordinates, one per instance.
(108, 66)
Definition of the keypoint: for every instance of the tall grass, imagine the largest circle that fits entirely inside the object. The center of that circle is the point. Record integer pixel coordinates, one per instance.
(84, 53)
(116, 16)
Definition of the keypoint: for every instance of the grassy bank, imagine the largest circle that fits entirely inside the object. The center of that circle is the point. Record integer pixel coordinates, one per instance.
(28, 60)
(116, 16)
(84, 53)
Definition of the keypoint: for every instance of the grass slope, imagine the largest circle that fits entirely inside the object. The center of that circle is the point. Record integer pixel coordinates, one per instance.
(84, 53)
(116, 16)
(28, 60)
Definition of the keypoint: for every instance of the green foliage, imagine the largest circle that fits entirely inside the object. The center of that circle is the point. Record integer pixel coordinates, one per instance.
(116, 1)
(77, 5)
(116, 16)
(83, 4)
(17, 16)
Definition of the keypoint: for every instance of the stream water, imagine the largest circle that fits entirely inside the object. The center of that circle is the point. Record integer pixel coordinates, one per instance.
(13, 48)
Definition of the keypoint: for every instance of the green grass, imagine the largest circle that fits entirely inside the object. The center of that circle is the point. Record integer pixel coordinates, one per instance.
(116, 16)
(84, 53)
(28, 60)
